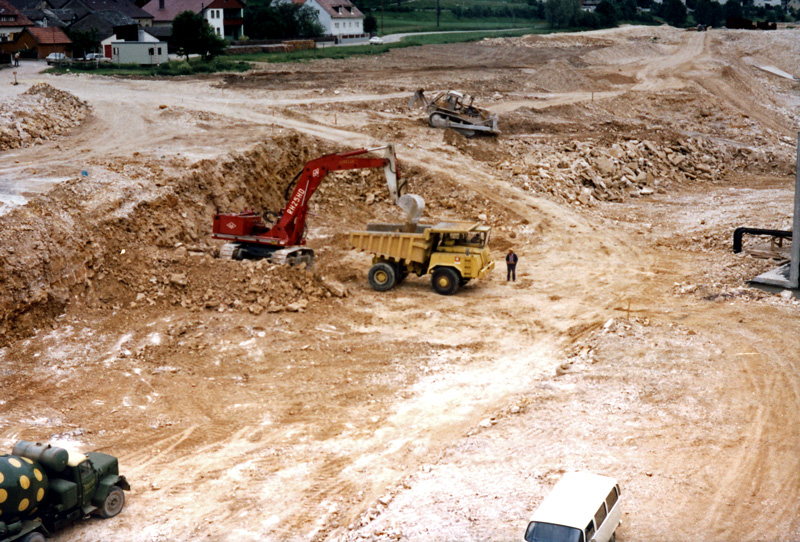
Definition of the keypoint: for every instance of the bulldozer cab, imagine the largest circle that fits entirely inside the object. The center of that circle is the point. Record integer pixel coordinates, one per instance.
(453, 100)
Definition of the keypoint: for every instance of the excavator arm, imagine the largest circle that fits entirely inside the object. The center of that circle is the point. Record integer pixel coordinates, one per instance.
(289, 228)
(249, 228)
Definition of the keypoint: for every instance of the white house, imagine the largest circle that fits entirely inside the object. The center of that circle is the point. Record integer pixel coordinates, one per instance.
(226, 17)
(146, 49)
(339, 18)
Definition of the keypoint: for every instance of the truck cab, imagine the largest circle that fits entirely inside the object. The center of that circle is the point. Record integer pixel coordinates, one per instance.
(44, 488)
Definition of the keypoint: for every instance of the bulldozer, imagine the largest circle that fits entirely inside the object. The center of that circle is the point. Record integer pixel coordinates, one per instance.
(455, 110)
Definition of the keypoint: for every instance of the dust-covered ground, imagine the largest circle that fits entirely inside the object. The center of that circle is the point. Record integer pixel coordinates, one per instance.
(252, 402)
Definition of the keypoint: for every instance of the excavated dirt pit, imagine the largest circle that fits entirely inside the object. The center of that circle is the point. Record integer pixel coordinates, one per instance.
(252, 402)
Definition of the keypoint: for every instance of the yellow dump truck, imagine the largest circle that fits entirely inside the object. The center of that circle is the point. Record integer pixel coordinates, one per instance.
(452, 252)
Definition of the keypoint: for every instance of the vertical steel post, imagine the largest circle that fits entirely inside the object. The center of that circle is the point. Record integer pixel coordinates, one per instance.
(794, 267)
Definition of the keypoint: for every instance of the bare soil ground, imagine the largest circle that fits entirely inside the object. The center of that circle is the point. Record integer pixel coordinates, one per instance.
(248, 402)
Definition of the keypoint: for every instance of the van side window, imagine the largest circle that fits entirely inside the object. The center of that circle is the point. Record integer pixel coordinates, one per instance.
(612, 499)
(590, 530)
(600, 515)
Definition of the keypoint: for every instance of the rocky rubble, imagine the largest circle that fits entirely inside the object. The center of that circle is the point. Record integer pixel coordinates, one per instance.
(195, 280)
(38, 114)
(585, 172)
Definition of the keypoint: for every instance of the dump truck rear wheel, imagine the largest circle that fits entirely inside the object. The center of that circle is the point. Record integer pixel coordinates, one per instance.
(445, 280)
(33, 537)
(382, 276)
(113, 504)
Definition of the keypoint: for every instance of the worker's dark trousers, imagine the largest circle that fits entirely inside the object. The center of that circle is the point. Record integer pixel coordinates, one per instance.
(512, 272)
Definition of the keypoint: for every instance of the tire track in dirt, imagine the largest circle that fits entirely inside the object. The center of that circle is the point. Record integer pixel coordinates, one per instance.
(762, 479)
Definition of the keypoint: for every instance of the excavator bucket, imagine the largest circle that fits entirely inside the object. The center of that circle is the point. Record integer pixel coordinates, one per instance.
(413, 205)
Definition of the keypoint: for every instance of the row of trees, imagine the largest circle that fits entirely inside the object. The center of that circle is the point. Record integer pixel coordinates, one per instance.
(265, 20)
(535, 11)
(568, 13)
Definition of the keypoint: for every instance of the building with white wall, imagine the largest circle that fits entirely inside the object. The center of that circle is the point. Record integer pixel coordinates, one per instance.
(226, 17)
(339, 18)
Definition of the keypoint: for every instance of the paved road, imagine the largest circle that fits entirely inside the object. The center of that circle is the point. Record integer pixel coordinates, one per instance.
(394, 38)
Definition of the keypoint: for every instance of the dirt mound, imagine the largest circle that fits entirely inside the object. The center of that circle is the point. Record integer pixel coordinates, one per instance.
(38, 114)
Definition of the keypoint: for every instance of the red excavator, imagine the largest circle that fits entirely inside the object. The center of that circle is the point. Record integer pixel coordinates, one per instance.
(251, 237)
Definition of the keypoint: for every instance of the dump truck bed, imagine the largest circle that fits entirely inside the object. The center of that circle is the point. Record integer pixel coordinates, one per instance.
(394, 245)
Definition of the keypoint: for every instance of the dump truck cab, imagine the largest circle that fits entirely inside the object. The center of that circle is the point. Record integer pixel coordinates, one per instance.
(461, 248)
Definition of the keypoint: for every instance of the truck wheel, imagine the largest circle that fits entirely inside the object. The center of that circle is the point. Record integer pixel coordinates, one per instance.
(113, 504)
(401, 273)
(382, 276)
(33, 537)
(445, 280)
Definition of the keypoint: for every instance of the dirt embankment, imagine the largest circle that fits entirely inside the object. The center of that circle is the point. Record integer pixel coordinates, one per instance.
(111, 243)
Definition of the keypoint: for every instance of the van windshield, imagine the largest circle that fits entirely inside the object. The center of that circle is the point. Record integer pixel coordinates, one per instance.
(547, 532)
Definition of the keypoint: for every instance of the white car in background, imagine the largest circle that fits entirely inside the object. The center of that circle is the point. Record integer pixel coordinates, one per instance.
(376, 40)
(57, 58)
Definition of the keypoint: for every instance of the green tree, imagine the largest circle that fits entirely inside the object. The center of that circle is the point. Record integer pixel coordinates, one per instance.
(370, 23)
(283, 21)
(627, 9)
(608, 13)
(561, 13)
(733, 8)
(709, 13)
(83, 42)
(674, 12)
(192, 34)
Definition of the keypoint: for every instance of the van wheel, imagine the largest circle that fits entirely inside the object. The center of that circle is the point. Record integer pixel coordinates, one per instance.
(382, 276)
(445, 280)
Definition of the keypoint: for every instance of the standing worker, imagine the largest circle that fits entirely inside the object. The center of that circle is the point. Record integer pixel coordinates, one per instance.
(16, 58)
(511, 265)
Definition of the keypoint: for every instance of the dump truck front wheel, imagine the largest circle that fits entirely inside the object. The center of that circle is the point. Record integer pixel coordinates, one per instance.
(113, 504)
(382, 276)
(445, 280)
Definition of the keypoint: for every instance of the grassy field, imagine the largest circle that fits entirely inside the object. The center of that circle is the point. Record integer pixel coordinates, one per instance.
(171, 68)
(356, 50)
(400, 23)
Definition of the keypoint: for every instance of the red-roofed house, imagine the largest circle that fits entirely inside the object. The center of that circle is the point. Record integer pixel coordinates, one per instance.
(226, 17)
(339, 18)
(46, 40)
(12, 22)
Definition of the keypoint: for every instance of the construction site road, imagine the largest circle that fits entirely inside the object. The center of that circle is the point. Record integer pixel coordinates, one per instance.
(249, 402)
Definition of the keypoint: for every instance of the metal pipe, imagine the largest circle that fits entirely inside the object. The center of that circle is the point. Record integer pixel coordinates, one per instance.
(738, 233)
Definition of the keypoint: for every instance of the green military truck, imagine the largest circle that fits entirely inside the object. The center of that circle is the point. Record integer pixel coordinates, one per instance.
(44, 488)
(452, 252)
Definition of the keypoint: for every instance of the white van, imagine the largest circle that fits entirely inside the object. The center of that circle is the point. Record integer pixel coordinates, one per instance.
(582, 507)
